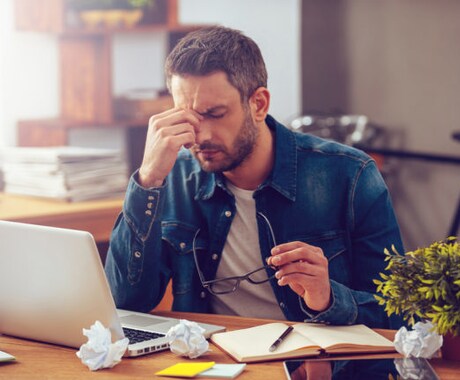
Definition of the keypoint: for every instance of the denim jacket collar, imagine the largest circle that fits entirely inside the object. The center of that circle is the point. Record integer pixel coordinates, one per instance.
(284, 173)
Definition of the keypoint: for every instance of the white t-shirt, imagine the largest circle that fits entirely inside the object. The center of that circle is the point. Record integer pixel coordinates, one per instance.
(241, 254)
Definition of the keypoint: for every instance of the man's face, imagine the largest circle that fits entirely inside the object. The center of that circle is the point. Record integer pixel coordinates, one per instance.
(227, 134)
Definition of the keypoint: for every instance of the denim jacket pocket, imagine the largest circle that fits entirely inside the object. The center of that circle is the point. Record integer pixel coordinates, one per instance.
(334, 248)
(180, 238)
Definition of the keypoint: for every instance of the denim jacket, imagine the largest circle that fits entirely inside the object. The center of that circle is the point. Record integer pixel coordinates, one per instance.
(319, 192)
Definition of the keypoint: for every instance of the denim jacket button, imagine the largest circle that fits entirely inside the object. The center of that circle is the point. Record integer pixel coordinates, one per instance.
(215, 256)
(228, 214)
(203, 294)
(149, 205)
(148, 212)
(151, 198)
(182, 245)
(137, 254)
(282, 305)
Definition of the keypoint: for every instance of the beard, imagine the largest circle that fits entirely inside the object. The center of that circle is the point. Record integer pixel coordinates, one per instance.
(241, 149)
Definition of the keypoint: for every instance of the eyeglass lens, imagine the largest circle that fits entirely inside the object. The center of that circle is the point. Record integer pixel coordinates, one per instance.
(228, 285)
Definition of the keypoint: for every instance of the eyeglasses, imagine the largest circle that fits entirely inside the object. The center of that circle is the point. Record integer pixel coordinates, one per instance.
(228, 285)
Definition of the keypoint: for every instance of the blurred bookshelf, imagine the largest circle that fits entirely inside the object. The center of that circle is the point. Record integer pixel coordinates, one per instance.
(86, 65)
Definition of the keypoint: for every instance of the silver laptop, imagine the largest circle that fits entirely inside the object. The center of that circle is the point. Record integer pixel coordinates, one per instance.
(52, 285)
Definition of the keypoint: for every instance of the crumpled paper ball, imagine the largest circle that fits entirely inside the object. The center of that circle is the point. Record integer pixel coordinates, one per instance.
(99, 352)
(421, 342)
(187, 339)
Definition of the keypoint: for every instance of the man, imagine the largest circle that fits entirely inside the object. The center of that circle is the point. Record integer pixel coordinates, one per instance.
(224, 190)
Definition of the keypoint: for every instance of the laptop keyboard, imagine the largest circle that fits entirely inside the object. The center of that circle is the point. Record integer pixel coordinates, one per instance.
(136, 336)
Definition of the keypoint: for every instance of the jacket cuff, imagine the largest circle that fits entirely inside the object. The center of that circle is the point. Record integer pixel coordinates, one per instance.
(343, 309)
(142, 206)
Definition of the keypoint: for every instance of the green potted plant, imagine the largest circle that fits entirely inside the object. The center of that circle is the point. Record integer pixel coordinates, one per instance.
(424, 284)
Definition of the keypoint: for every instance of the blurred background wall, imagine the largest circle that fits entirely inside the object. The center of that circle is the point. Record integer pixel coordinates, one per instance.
(396, 61)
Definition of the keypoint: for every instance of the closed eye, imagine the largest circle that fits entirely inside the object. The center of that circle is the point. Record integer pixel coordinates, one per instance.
(218, 116)
(217, 112)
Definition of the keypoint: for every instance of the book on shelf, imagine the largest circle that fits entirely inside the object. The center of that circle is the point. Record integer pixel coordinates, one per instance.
(306, 339)
(64, 173)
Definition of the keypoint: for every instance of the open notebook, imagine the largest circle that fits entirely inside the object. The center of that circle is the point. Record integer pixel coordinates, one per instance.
(307, 339)
(52, 285)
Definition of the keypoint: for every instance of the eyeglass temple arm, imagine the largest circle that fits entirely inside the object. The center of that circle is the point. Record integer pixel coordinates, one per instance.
(200, 274)
(272, 234)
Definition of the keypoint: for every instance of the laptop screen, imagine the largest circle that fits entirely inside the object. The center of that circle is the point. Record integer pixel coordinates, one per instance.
(53, 285)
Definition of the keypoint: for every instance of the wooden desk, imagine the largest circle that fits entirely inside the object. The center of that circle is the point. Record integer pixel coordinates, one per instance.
(96, 217)
(43, 361)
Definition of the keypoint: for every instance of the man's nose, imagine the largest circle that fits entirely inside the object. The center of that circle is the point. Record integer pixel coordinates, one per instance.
(203, 132)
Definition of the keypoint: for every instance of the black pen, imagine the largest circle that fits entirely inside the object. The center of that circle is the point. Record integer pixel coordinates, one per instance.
(277, 342)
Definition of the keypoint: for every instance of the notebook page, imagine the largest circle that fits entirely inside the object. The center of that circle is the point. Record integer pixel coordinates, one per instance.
(256, 341)
(328, 336)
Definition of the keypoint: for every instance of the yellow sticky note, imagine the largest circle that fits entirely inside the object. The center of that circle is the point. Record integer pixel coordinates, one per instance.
(185, 369)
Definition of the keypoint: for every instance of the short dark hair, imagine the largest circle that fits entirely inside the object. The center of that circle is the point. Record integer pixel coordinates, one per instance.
(218, 48)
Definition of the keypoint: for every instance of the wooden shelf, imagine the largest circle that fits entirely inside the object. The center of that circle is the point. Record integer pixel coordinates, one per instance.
(58, 17)
(64, 125)
(85, 55)
(141, 29)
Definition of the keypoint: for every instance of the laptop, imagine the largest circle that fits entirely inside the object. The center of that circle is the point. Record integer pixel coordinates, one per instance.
(52, 285)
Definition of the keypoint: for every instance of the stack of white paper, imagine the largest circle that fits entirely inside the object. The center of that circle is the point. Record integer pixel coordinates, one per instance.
(66, 173)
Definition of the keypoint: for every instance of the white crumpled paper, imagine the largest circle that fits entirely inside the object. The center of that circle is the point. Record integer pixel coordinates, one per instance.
(421, 342)
(99, 352)
(187, 339)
